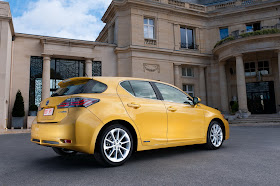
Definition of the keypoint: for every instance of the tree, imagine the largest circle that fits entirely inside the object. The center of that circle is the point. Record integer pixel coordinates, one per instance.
(18, 110)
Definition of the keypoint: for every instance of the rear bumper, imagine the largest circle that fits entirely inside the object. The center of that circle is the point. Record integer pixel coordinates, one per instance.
(54, 135)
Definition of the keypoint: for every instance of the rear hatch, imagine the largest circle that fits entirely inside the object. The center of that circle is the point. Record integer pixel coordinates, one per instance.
(70, 94)
(49, 111)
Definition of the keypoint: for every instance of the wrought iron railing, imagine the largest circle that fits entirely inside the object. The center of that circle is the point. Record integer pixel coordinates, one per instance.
(189, 46)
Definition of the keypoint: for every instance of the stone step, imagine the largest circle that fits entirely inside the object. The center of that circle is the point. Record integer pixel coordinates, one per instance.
(240, 121)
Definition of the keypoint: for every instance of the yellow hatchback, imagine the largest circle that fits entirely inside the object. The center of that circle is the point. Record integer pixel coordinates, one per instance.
(112, 117)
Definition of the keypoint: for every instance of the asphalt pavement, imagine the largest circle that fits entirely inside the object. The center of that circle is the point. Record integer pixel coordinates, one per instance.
(250, 157)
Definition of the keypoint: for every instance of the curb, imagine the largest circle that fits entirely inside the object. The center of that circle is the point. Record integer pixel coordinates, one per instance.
(15, 131)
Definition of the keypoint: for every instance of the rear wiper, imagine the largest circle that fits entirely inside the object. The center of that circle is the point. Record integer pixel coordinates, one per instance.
(54, 94)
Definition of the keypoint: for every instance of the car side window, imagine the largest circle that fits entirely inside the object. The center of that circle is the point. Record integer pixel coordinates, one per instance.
(143, 89)
(126, 85)
(172, 94)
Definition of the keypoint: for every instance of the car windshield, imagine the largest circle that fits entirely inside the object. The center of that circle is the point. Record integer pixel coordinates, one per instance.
(90, 86)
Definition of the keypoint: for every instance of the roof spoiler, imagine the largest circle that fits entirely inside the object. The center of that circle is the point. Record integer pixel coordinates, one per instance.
(73, 81)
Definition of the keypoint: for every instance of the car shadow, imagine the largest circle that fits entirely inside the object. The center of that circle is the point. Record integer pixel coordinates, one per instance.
(86, 161)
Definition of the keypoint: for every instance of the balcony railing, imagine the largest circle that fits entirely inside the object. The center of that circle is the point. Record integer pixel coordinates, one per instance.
(150, 41)
(191, 46)
(248, 33)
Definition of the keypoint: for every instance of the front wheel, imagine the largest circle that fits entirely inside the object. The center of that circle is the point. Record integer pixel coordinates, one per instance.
(114, 146)
(215, 136)
(64, 152)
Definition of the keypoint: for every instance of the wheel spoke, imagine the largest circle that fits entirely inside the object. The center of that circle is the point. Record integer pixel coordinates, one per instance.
(123, 148)
(124, 142)
(118, 135)
(112, 153)
(108, 147)
(121, 153)
(116, 154)
(109, 141)
(112, 134)
(122, 137)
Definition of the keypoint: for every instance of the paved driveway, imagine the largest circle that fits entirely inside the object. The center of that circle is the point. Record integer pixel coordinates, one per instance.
(250, 157)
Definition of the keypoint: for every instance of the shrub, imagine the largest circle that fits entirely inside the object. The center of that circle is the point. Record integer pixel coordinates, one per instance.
(33, 108)
(234, 106)
(248, 34)
(18, 109)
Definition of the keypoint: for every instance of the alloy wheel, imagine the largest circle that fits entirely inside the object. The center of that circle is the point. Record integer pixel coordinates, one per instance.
(216, 135)
(117, 145)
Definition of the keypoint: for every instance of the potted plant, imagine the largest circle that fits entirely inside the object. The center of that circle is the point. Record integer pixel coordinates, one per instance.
(18, 112)
(33, 110)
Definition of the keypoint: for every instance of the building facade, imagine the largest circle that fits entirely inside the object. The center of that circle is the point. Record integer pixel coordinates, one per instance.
(221, 51)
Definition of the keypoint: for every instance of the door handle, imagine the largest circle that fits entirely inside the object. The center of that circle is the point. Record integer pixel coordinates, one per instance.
(134, 105)
(172, 109)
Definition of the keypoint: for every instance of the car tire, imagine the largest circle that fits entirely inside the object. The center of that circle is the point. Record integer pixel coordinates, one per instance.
(114, 146)
(64, 152)
(215, 136)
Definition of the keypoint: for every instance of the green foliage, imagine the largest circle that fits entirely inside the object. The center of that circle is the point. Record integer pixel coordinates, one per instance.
(234, 107)
(18, 109)
(230, 38)
(249, 34)
(33, 108)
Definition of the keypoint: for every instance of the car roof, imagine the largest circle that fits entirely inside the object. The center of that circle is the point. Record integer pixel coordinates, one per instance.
(106, 80)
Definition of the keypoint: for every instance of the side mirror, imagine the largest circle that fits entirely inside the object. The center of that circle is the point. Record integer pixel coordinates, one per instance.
(196, 100)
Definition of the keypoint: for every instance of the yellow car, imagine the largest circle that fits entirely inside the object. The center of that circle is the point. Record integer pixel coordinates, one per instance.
(112, 117)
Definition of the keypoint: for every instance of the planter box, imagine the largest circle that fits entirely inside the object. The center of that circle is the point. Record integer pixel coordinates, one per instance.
(32, 113)
(17, 122)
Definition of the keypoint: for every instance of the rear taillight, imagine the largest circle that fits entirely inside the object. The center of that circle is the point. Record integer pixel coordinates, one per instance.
(78, 102)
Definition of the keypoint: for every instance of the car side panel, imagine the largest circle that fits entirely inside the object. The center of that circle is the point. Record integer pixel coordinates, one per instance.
(110, 108)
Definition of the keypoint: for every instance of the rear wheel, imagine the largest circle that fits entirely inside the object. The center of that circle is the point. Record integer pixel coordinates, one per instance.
(64, 152)
(114, 146)
(215, 136)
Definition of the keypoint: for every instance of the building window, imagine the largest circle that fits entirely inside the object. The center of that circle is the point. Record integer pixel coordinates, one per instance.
(187, 72)
(253, 27)
(149, 28)
(62, 69)
(189, 89)
(35, 86)
(223, 33)
(250, 69)
(96, 68)
(187, 38)
(263, 67)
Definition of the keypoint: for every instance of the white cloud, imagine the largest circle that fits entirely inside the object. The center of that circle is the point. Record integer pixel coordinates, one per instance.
(74, 19)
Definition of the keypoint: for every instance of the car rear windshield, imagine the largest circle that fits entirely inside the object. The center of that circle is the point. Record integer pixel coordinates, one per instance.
(90, 86)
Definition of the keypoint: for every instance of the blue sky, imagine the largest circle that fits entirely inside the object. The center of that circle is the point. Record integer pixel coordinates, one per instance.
(75, 19)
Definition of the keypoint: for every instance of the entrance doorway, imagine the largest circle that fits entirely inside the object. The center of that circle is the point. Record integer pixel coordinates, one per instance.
(261, 97)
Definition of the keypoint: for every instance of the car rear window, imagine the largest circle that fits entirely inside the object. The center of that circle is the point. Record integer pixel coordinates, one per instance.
(90, 86)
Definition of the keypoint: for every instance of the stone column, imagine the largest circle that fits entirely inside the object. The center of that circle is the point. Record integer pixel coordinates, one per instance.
(88, 67)
(279, 67)
(202, 85)
(177, 36)
(46, 77)
(177, 76)
(241, 86)
(223, 88)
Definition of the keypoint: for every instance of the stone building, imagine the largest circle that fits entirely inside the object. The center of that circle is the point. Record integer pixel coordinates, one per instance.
(218, 50)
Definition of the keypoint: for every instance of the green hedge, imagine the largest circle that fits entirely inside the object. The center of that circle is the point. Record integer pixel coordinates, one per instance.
(258, 32)
(18, 109)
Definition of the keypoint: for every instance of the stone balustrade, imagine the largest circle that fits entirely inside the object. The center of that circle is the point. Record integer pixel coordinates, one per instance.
(203, 8)
(150, 42)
